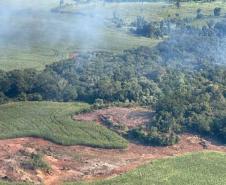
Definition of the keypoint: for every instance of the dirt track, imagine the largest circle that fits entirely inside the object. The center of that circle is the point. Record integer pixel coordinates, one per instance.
(70, 163)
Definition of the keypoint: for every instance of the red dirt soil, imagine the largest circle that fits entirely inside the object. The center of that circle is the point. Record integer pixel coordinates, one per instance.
(131, 117)
(72, 163)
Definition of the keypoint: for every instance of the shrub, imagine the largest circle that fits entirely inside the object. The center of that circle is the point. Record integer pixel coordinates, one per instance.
(3, 98)
(34, 97)
(36, 162)
(153, 137)
(199, 14)
(220, 28)
(22, 97)
(217, 11)
(99, 103)
(178, 5)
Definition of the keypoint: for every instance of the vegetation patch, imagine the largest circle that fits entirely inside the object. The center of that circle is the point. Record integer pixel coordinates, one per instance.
(38, 45)
(52, 121)
(12, 183)
(36, 162)
(182, 78)
(106, 28)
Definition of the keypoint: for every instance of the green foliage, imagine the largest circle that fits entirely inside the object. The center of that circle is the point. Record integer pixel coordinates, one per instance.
(36, 162)
(217, 11)
(149, 29)
(179, 78)
(36, 48)
(102, 77)
(153, 137)
(199, 14)
(12, 183)
(197, 168)
(52, 121)
(35, 51)
(183, 80)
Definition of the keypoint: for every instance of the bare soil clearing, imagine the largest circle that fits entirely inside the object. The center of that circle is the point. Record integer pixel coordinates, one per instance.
(131, 117)
(86, 163)
(72, 163)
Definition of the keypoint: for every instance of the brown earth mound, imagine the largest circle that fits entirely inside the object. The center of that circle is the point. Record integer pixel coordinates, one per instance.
(131, 117)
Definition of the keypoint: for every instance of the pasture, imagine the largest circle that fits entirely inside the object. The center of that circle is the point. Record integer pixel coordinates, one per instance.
(204, 168)
(53, 121)
(32, 36)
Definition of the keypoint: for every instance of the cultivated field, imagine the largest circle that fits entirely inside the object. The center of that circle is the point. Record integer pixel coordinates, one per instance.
(52, 121)
(203, 168)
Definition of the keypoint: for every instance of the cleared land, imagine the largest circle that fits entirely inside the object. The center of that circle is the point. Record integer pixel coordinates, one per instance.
(198, 168)
(78, 163)
(129, 117)
(53, 121)
(82, 163)
(75, 163)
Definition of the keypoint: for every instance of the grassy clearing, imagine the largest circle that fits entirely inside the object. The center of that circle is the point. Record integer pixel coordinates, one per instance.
(33, 36)
(189, 9)
(17, 56)
(205, 168)
(155, 11)
(52, 121)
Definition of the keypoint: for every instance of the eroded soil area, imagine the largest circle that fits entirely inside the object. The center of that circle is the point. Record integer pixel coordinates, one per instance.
(130, 117)
(72, 163)
(85, 163)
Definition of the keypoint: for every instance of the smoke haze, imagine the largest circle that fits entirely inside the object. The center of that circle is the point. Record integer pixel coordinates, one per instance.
(33, 24)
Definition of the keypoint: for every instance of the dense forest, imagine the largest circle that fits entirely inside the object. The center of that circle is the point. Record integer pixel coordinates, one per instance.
(183, 79)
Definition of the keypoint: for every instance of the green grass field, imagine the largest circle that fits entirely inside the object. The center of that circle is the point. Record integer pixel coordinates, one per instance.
(52, 121)
(31, 36)
(12, 183)
(157, 11)
(205, 168)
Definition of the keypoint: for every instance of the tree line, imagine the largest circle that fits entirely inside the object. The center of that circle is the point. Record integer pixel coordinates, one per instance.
(182, 78)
